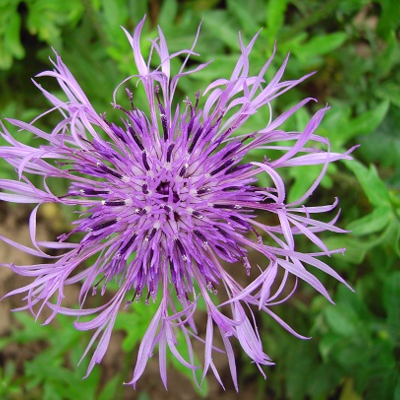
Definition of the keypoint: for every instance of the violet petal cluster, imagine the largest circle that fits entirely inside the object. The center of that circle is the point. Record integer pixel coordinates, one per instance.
(170, 207)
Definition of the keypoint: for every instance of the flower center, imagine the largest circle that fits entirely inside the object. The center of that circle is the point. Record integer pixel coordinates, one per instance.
(164, 188)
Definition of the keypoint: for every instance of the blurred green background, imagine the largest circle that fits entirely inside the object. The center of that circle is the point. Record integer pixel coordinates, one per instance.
(354, 45)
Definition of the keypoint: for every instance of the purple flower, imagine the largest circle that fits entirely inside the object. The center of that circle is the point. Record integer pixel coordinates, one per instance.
(169, 206)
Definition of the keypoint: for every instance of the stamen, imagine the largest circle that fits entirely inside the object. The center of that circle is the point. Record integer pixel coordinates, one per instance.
(226, 206)
(181, 249)
(93, 192)
(130, 96)
(231, 188)
(144, 160)
(200, 236)
(195, 139)
(223, 251)
(183, 170)
(240, 221)
(198, 215)
(204, 190)
(169, 151)
(191, 123)
(236, 168)
(128, 244)
(222, 167)
(104, 168)
(151, 234)
(223, 232)
(104, 225)
(135, 138)
(164, 126)
(231, 151)
(115, 203)
(140, 211)
(163, 117)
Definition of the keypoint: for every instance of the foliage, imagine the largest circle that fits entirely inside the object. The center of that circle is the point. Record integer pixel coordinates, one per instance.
(355, 47)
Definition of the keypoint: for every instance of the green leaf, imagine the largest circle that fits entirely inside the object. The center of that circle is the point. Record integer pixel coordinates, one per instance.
(355, 249)
(10, 24)
(304, 177)
(383, 145)
(369, 120)
(374, 188)
(320, 45)
(32, 330)
(342, 320)
(348, 392)
(184, 351)
(388, 58)
(391, 294)
(4, 342)
(371, 223)
(115, 14)
(275, 18)
(219, 23)
(389, 19)
(7, 379)
(244, 15)
(327, 344)
(340, 126)
(12, 40)
(389, 91)
(135, 324)
(110, 388)
(396, 394)
(168, 13)
(45, 18)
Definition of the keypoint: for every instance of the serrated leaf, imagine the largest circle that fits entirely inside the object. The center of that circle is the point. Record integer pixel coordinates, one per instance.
(374, 188)
(135, 324)
(368, 121)
(32, 330)
(340, 127)
(371, 223)
(355, 249)
(45, 18)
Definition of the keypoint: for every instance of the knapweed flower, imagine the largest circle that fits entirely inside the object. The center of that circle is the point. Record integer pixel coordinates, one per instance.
(170, 208)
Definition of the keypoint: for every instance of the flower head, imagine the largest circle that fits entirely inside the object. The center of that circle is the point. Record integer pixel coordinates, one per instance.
(168, 200)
